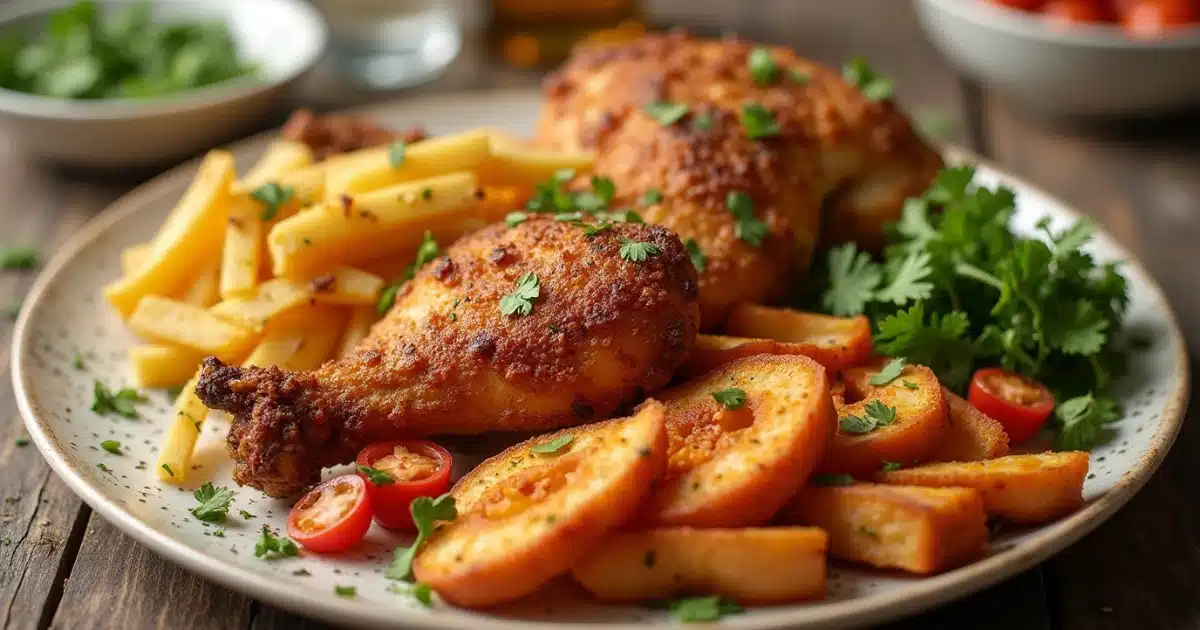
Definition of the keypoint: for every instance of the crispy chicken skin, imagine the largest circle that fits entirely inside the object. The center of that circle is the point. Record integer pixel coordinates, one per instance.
(603, 333)
(858, 159)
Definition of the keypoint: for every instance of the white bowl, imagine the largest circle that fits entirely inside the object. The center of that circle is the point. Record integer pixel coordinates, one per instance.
(1080, 70)
(284, 39)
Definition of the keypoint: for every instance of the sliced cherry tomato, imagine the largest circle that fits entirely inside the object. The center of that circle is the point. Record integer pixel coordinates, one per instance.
(1149, 18)
(1020, 404)
(333, 516)
(1023, 5)
(1076, 11)
(416, 468)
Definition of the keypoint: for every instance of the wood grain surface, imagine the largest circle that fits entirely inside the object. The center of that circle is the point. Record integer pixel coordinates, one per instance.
(63, 567)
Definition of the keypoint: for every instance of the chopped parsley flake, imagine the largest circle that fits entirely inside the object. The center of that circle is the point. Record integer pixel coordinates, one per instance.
(376, 476)
(757, 121)
(214, 503)
(762, 67)
(732, 398)
(876, 415)
(748, 228)
(638, 251)
(18, 258)
(270, 546)
(874, 87)
(890, 372)
(345, 591)
(699, 260)
(652, 197)
(520, 301)
(112, 446)
(513, 219)
(553, 447)
(701, 609)
(890, 466)
(77, 361)
(122, 403)
(271, 196)
(666, 113)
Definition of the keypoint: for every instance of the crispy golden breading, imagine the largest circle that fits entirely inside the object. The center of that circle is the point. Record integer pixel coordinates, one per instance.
(859, 157)
(922, 530)
(602, 334)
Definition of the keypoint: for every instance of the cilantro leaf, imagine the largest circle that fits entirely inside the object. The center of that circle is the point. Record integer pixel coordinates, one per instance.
(123, 402)
(877, 414)
(890, 372)
(731, 398)
(638, 251)
(597, 228)
(757, 121)
(553, 447)
(214, 503)
(909, 282)
(520, 301)
(270, 546)
(426, 514)
(271, 196)
(376, 476)
(513, 219)
(700, 609)
(652, 197)
(762, 67)
(748, 228)
(699, 260)
(939, 342)
(874, 87)
(853, 277)
(667, 113)
(1081, 420)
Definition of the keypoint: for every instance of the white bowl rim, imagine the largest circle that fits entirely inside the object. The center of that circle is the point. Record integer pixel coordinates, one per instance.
(1106, 36)
(46, 107)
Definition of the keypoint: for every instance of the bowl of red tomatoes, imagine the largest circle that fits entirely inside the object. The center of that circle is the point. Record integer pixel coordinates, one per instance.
(1106, 58)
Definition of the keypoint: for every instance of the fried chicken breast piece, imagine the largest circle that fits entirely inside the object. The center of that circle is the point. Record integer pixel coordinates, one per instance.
(601, 332)
(834, 149)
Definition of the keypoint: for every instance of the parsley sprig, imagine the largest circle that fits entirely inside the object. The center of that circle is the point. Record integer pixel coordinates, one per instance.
(122, 402)
(214, 503)
(749, 228)
(428, 250)
(957, 290)
(520, 302)
(638, 251)
(876, 414)
(270, 546)
(426, 514)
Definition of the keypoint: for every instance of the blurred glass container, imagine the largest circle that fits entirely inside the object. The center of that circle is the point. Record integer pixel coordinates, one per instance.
(539, 33)
(391, 43)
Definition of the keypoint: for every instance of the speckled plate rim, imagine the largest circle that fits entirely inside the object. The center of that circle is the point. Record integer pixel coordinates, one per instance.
(921, 595)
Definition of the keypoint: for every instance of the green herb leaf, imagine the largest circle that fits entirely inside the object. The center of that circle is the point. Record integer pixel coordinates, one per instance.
(890, 372)
(699, 260)
(168, 469)
(702, 121)
(877, 414)
(270, 546)
(272, 197)
(376, 476)
(891, 466)
(396, 153)
(762, 67)
(426, 253)
(246, 515)
(1081, 420)
(638, 251)
(652, 197)
(513, 219)
(77, 361)
(701, 609)
(426, 514)
(423, 594)
(214, 503)
(520, 301)
(122, 403)
(731, 398)
(112, 446)
(597, 228)
(853, 277)
(666, 113)
(18, 258)
(22, 441)
(748, 228)
(344, 591)
(831, 479)
(874, 87)
(553, 447)
(757, 121)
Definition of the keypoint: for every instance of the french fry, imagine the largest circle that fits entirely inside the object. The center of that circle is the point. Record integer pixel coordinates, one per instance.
(204, 289)
(922, 530)
(376, 224)
(134, 256)
(971, 435)
(299, 340)
(242, 251)
(835, 342)
(348, 286)
(175, 456)
(281, 156)
(163, 366)
(195, 228)
(515, 163)
(753, 565)
(384, 167)
(1018, 488)
(359, 326)
(173, 322)
(273, 298)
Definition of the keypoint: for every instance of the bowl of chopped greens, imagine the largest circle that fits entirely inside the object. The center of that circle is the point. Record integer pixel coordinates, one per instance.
(108, 83)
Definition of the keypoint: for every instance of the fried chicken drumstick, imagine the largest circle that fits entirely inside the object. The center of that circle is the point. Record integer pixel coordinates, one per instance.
(527, 328)
(818, 161)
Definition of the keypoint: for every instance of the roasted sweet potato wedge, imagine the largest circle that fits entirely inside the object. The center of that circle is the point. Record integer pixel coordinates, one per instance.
(736, 467)
(752, 565)
(921, 418)
(971, 435)
(835, 342)
(1019, 488)
(918, 529)
(528, 513)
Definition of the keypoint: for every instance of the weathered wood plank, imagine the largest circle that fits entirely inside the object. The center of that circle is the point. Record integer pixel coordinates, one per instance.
(1142, 182)
(117, 583)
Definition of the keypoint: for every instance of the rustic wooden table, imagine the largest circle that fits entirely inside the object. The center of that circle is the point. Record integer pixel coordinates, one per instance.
(63, 566)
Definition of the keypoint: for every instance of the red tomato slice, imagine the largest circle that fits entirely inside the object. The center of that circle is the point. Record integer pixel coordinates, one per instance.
(1020, 404)
(1149, 18)
(333, 516)
(417, 468)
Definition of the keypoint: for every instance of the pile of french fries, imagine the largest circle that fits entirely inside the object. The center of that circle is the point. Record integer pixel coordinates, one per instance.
(284, 265)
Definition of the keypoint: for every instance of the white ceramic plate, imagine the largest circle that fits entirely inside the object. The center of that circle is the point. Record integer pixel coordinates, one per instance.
(65, 315)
